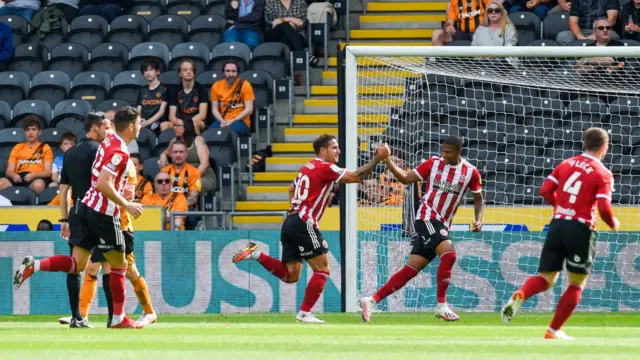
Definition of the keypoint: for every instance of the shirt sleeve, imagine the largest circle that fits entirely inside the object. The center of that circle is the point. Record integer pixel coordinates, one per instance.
(115, 162)
(180, 203)
(173, 95)
(424, 169)
(47, 154)
(476, 182)
(195, 181)
(139, 100)
(13, 157)
(575, 9)
(331, 172)
(452, 10)
(611, 5)
(247, 92)
(205, 95)
(147, 190)
(605, 188)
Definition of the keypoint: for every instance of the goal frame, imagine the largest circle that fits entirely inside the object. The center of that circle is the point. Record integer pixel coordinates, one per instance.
(350, 145)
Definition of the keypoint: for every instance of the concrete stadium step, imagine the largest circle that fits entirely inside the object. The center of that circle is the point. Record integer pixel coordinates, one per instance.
(330, 90)
(309, 134)
(401, 21)
(407, 6)
(268, 193)
(262, 205)
(292, 148)
(308, 119)
(285, 163)
(275, 177)
(366, 105)
(383, 77)
(395, 34)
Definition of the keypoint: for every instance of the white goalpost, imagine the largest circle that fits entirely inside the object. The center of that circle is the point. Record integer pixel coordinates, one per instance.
(519, 112)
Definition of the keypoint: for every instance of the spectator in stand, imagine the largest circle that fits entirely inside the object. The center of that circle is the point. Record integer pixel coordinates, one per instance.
(463, 17)
(385, 191)
(24, 8)
(539, 7)
(67, 141)
(232, 101)
(133, 145)
(603, 31)
(45, 225)
(190, 99)
(152, 99)
(245, 20)
(582, 16)
(285, 21)
(563, 5)
(29, 162)
(108, 9)
(143, 186)
(68, 7)
(185, 178)
(496, 28)
(631, 14)
(197, 154)
(169, 200)
(6, 45)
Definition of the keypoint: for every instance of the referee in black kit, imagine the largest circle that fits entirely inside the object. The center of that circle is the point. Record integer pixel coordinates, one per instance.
(76, 174)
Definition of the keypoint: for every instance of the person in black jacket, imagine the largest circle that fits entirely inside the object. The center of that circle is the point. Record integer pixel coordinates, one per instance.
(244, 19)
(108, 9)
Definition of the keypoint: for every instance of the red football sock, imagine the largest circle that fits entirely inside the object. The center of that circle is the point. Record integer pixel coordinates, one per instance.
(568, 302)
(116, 284)
(58, 263)
(274, 266)
(396, 282)
(314, 289)
(534, 285)
(444, 275)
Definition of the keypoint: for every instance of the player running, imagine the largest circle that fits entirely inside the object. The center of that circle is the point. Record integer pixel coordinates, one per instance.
(573, 189)
(448, 179)
(98, 222)
(300, 236)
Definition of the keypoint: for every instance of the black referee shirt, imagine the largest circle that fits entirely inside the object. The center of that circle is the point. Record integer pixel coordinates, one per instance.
(76, 167)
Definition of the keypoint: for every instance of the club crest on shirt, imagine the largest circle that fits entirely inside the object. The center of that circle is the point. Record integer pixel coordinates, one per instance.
(443, 232)
(462, 178)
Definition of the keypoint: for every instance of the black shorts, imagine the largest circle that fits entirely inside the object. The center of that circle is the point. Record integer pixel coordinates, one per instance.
(568, 240)
(430, 234)
(98, 255)
(462, 36)
(90, 229)
(24, 183)
(301, 240)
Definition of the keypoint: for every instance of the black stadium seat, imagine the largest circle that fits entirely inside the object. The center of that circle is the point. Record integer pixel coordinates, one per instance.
(170, 78)
(543, 42)
(170, 30)
(272, 57)
(555, 23)
(29, 58)
(188, 9)
(8, 139)
(14, 86)
(28, 107)
(52, 38)
(70, 114)
(207, 30)
(51, 137)
(147, 50)
(528, 26)
(70, 58)
(19, 27)
(110, 58)
(47, 195)
(89, 30)
(196, 52)
(91, 86)
(148, 9)
(235, 51)
(5, 114)
(128, 30)
(151, 168)
(20, 196)
(112, 104)
(209, 78)
(126, 86)
(50, 86)
(216, 7)
(222, 145)
(164, 139)
(146, 142)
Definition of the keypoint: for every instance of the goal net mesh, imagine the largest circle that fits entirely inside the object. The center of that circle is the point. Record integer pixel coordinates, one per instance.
(518, 118)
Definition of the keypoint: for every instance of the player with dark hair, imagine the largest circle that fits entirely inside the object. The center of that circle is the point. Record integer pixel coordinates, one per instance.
(573, 189)
(98, 218)
(448, 179)
(300, 236)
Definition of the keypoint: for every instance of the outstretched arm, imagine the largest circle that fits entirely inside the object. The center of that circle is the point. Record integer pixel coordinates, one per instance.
(401, 175)
(478, 210)
(363, 172)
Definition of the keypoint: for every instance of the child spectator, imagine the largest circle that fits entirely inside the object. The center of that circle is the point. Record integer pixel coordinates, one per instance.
(67, 141)
(152, 99)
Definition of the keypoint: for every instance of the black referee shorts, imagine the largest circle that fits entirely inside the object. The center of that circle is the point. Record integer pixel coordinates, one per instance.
(570, 242)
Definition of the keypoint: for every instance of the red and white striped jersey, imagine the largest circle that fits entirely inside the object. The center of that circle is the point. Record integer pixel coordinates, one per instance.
(446, 186)
(112, 157)
(581, 181)
(313, 187)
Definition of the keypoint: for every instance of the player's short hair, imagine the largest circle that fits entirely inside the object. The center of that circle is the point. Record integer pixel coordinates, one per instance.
(321, 142)
(94, 118)
(68, 136)
(136, 156)
(453, 141)
(595, 139)
(189, 61)
(224, 66)
(125, 116)
(149, 63)
(32, 120)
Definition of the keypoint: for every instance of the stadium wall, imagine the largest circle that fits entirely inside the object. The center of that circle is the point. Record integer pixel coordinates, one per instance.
(191, 273)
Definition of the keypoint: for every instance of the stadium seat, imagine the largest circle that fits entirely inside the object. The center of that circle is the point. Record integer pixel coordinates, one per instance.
(524, 135)
(20, 196)
(5, 114)
(543, 42)
(151, 168)
(208, 78)
(618, 133)
(273, 57)
(507, 163)
(545, 106)
(170, 30)
(459, 43)
(164, 139)
(188, 9)
(88, 30)
(147, 50)
(588, 110)
(112, 104)
(584, 42)
(27, 107)
(492, 132)
(29, 58)
(8, 139)
(625, 164)
(526, 194)
(14, 86)
(216, 7)
(50, 86)
(222, 145)
(52, 38)
(262, 84)
(170, 78)
(110, 58)
(128, 30)
(70, 114)
(4, 162)
(51, 137)
(207, 30)
(524, 93)
(91, 86)
(238, 52)
(19, 26)
(475, 90)
(555, 23)
(528, 26)
(524, 150)
(630, 42)
(47, 195)
(198, 53)
(148, 9)
(462, 112)
(542, 165)
(146, 142)
(126, 86)
(507, 109)
(70, 58)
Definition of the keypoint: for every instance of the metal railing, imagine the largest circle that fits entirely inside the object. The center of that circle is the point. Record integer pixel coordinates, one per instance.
(225, 216)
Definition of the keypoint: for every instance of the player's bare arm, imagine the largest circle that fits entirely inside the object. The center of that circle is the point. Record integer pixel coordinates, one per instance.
(106, 186)
(363, 172)
(400, 174)
(64, 210)
(193, 198)
(478, 211)
(292, 190)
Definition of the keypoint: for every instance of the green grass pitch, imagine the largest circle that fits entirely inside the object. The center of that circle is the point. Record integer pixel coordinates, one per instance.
(277, 336)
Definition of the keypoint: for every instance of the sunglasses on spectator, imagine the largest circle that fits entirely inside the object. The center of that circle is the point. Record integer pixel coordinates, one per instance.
(163, 181)
(603, 28)
(494, 11)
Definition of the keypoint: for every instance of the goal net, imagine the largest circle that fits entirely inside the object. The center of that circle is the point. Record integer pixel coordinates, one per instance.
(519, 111)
